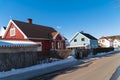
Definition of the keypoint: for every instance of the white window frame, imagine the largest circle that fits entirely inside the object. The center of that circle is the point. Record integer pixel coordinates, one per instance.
(12, 32)
(40, 46)
(52, 45)
(58, 44)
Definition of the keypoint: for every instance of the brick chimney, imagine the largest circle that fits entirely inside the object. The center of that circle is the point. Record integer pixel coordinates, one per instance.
(30, 20)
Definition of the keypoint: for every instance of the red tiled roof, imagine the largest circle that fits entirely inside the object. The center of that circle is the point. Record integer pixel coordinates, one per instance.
(35, 31)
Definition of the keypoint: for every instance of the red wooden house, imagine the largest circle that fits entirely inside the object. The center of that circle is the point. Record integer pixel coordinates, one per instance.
(47, 37)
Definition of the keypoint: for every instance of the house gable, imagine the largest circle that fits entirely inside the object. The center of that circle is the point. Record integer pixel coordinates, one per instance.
(13, 32)
(104, 42)
(58, 41)
(57, 36)
(34, 31)
(37, 33)
(85, 40)
(79, 39)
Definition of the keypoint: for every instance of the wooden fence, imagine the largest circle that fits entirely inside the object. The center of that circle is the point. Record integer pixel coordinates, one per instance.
(17, 57)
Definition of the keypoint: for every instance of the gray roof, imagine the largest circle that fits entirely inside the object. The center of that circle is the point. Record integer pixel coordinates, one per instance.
(88, 36)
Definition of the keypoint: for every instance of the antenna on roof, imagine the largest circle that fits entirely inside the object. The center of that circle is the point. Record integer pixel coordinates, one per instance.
(58, 28)
(10, 17)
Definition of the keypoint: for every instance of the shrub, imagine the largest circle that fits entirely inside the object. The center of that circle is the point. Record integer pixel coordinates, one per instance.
(59, 54)
(100, 50)
(81, 53)
(63, 53)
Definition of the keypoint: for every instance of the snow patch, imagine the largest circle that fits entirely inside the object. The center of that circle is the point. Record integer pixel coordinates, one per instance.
(107, 53)
(116, 75)
(36, 67)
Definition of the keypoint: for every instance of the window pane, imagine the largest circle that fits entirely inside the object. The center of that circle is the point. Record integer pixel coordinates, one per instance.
(82, 39)
(12, 32)
(75, 40)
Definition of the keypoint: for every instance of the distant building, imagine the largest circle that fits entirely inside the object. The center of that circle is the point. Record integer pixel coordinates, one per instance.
(83, 40)
(2, 31)
(47, 37)
(109, 41)
(116, 43)
(105, 42)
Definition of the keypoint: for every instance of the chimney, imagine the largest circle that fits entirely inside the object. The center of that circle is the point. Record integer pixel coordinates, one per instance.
(30, 20)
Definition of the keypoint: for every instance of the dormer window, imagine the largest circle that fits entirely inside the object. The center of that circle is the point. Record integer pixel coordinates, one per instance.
(12, 32)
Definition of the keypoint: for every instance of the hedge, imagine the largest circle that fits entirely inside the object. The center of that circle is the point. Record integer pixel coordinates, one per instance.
(100, 50)
(81, 53)
(59, 54)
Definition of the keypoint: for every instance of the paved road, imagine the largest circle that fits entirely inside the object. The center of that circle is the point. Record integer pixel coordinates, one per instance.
(96, 69)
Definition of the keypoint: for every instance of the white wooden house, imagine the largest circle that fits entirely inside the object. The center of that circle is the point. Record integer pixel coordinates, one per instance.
(2, 31)
(83, 40)
(116, 43)
(105, 42)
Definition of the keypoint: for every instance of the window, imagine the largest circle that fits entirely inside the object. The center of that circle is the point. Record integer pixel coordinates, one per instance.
(82, 39)
(39, 48)
(12, 32)
(52, 45)
(58, 45)
(103, 41)
(75, 40)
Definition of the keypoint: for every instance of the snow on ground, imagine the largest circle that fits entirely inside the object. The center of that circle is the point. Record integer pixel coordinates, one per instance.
(107, 53)
(116, 75)
(46, 65)
(39, 66)
(92, 57)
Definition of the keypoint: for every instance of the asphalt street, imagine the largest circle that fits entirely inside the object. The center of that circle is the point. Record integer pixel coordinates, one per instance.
(100, 68)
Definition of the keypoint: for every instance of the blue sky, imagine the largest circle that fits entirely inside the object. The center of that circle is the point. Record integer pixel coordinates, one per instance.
(96, 17)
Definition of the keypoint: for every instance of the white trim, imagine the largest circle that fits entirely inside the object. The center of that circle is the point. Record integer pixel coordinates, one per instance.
(25, 37)
(63, 38)
(75, 46)
(57, 35)
(52, 44)
(76, 35)
(58, 45)
(11, 21)
(73, 36)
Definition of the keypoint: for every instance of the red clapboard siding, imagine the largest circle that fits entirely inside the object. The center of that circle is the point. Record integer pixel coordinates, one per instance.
(18, 34)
